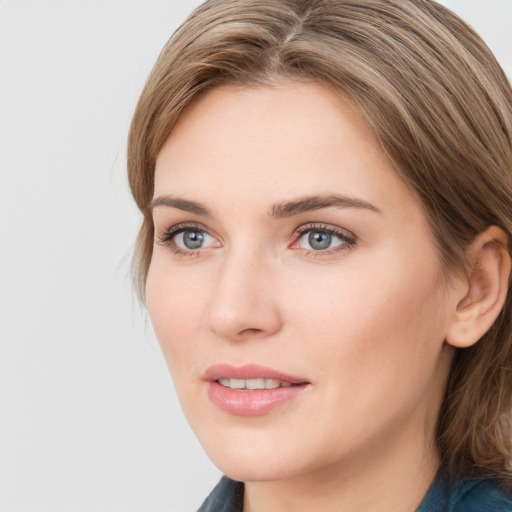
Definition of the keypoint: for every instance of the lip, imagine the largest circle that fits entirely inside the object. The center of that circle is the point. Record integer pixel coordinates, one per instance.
(249, 371)
(251, 402)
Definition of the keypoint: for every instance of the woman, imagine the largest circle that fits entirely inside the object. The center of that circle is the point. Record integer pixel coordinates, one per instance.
(325, 252)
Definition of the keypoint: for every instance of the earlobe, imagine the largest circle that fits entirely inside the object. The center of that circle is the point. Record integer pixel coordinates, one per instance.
(485, 290)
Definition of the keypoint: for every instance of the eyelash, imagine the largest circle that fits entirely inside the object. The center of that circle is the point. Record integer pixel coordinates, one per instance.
(167, 238)
(347, 238)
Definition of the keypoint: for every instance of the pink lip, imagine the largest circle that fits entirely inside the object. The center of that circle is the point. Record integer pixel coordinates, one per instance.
(249, 371)
(250, 402)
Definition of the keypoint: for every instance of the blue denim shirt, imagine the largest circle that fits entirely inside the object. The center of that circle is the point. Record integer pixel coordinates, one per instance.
(463, 496)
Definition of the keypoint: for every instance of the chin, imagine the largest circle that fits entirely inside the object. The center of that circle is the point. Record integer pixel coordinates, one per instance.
(257, 471)
(250, 460)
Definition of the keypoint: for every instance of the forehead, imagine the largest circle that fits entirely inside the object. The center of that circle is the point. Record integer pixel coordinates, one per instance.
(287, 139)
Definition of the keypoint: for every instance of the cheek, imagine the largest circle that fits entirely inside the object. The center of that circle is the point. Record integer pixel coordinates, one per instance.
(177, 301)
(362, 320)
(372, 341)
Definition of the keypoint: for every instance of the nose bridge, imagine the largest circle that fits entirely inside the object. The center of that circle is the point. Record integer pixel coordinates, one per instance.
(243, 302)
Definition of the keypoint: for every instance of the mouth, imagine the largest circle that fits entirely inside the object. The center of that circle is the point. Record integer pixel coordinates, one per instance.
(254, 384)
(251, 390)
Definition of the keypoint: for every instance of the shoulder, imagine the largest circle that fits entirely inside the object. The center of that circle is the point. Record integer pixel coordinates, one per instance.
(228, 496)
(468, 495)
(480, 495)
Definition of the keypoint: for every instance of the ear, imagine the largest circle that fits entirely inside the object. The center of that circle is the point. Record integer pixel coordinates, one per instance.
(485, 288)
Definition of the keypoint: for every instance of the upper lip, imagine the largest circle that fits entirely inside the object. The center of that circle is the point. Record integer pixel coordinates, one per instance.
(249, 371)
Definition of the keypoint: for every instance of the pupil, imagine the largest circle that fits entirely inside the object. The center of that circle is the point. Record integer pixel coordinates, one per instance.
(193, 239)
(319, 240)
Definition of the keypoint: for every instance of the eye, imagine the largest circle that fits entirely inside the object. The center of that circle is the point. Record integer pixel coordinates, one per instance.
(323, 239)
(187, 239)
(191, 239)
(319, 240)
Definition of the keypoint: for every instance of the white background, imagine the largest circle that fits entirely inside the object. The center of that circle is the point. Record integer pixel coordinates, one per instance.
(88, 418)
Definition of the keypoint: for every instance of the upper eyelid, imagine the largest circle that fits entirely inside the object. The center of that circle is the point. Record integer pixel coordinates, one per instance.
(298, 232)
(348, 238)
(302, 228)
(167, 235)
(183, 226)
(325, 227)
(168, 238)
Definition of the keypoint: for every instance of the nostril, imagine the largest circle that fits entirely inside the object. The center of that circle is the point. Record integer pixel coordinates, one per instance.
(250, 332)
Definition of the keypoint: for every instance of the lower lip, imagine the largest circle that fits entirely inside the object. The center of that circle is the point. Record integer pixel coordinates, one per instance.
(253, 402)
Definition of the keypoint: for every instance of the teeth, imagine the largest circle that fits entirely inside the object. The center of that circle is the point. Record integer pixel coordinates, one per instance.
(273, 384)
(252, 384)
(255, 384)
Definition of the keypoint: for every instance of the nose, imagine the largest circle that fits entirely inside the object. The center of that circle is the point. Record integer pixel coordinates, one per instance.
(243, 304)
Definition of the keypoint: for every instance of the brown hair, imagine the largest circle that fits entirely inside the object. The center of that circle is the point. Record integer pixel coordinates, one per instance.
(442, 109)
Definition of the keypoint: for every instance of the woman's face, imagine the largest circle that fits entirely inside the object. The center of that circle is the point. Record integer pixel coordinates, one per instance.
(290, 255)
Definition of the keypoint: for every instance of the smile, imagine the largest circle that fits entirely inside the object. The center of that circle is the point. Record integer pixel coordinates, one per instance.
(251, 390)
(253, 384)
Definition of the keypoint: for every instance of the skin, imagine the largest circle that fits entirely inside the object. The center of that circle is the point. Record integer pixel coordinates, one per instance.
(364, 322)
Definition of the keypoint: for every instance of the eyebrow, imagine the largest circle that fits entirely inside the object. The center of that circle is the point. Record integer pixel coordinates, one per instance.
(279, 210)
(311, 203)
(181, 204)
